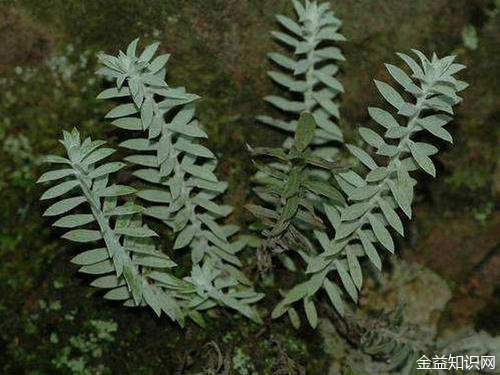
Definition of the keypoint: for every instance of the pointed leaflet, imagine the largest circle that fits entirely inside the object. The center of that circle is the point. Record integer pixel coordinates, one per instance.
(311, 313)
(55, 175)
(97, 155)
(331, 82)
(402, 78)
(91, 257)
(371, 137)
(363, 156)
(381, 233)
(185, 237)
(72, 221)
(335, 297)
(281, 60)
(83, 235)
(383, 117)
(391, 216)
(58, 190)
(63, 206)
(347, 281)
(289, 24)
(434, 125)
(390, 94)
(354, 267)
(106, 169)
(370, 250)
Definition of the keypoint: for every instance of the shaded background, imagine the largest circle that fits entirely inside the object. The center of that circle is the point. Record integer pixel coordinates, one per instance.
(52, 322)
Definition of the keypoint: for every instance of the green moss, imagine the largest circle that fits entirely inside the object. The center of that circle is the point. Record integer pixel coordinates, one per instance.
(242, 363)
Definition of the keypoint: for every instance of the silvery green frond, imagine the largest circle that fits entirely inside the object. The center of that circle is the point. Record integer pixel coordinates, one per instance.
(398, 347)
(307, 70)
(394, 344)
(183, 189)
(288, 213)
(363, 227)
(122, 254)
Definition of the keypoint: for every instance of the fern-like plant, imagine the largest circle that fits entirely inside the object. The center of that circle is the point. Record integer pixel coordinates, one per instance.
(364, 224)
(169, 157)
(129, 265)
(292, 212)
(309, 76)
(303, 211)
(287, 190)
(390, 344)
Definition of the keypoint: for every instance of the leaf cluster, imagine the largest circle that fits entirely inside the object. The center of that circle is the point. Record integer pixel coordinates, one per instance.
(127, 263)
(334, 218)
(363, 225)
(287, 188)
(394, 345)
(308, 75)
(180, 186)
